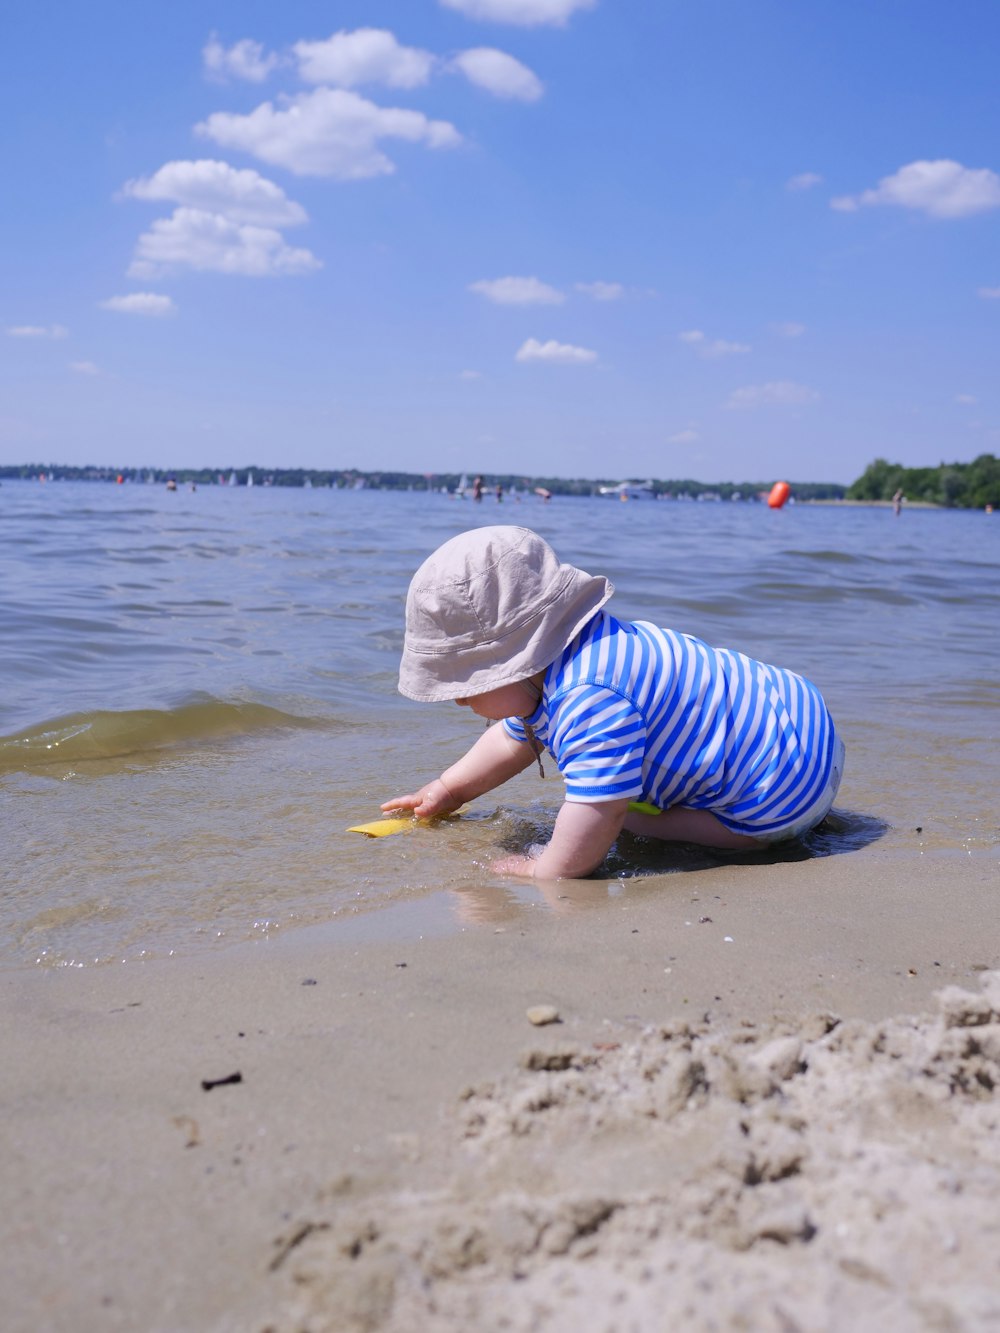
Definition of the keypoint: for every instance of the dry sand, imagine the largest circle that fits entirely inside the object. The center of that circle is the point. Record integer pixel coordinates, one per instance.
(733, 1126)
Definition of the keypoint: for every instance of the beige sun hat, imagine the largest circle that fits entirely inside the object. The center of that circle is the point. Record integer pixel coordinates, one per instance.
(489, 607)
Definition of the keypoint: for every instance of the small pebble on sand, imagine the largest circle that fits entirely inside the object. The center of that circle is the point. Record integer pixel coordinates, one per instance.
(540, 1014)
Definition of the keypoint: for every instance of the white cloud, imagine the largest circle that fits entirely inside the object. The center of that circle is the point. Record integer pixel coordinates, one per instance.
(806, 180)
(716, 347)
(942, 189)
(684, 437)
(720, 347)
(141, 303)
(84, 368)
(788, 329)
(38, 331)
(215, 187)
(525, 13)
(471, 375)
(556, 353)
(778, 393)
(966, 399)
(499, 73)
(329, 132)
(990, 293)
(367, 55)
(209, 242)
(517, 291)
(243, 60)
(602, 291)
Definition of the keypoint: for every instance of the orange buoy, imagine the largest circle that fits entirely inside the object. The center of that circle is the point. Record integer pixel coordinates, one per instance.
(780, 492)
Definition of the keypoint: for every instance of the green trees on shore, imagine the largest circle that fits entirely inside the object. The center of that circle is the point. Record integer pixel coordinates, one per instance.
(953, 485)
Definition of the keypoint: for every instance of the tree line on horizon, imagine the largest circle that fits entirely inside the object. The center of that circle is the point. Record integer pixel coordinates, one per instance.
(350, 478)
(950, 485)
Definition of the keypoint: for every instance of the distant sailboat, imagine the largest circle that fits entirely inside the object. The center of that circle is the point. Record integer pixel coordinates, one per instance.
(249, 478)
(233, 481)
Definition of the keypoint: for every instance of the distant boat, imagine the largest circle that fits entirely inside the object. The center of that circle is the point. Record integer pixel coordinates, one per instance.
(233, 480)
(629, 490)
(249, 478)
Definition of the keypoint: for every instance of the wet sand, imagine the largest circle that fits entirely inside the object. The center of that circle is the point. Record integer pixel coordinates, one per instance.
(755, 1111)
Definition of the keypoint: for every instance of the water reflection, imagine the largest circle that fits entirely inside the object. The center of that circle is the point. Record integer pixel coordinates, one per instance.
(633, 862)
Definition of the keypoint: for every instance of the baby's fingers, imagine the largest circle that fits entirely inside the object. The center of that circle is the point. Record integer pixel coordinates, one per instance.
(409, 802)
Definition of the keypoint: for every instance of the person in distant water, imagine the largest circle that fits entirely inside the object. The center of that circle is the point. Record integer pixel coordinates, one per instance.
(499, 493)
(477, 489)
(897, 503)
(719, 749)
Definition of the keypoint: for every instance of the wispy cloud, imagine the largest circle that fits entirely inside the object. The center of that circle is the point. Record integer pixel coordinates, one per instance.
(776, 393)
(524, 13)
(209, 243)
(245, 59)
(564, 354)
(517, 291)
(38, 331)
(688, 436)
(150, 304)
(328, 132)
(941, 189)
(242, 195)
(499, 74)
(990, 293)
(84, 368)
(471, 375)
(713, 347)
(788, 329)
(601, 291)
(966, 399)
(806, 180)
(366, 55)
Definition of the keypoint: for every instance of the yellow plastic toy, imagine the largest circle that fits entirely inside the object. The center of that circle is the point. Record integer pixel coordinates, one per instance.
(382, 828)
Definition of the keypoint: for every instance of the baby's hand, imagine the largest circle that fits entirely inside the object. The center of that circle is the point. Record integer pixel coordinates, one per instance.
(432, 799)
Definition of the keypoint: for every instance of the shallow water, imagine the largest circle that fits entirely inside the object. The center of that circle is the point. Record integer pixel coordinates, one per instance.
(200, 698)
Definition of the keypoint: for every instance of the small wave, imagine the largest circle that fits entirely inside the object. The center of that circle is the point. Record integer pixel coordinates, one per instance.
(107, 734)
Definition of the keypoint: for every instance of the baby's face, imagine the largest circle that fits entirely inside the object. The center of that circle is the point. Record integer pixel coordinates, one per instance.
(516, 700)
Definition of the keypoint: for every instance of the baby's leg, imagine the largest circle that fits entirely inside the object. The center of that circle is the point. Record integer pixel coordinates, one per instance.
(680, 824)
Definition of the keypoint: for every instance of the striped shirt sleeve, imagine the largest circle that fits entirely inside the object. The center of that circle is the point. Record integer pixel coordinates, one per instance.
(599, 738)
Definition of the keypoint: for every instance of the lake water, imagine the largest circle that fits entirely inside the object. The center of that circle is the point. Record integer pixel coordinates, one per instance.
(200, 696)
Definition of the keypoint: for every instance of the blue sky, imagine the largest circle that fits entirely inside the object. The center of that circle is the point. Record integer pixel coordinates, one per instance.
(723, 239)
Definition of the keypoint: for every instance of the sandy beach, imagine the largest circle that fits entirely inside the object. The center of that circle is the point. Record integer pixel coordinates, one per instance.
(769, 1101)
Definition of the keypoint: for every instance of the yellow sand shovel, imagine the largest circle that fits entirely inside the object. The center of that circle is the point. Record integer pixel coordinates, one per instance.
(381, 828)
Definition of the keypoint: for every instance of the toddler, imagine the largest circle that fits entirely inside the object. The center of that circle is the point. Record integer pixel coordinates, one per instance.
(652, 730)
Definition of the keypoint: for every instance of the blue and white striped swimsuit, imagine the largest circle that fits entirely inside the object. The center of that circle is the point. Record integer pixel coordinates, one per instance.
(630, 710)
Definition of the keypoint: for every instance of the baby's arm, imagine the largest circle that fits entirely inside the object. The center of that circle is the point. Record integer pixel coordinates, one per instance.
(581, 838)
(493, 759)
